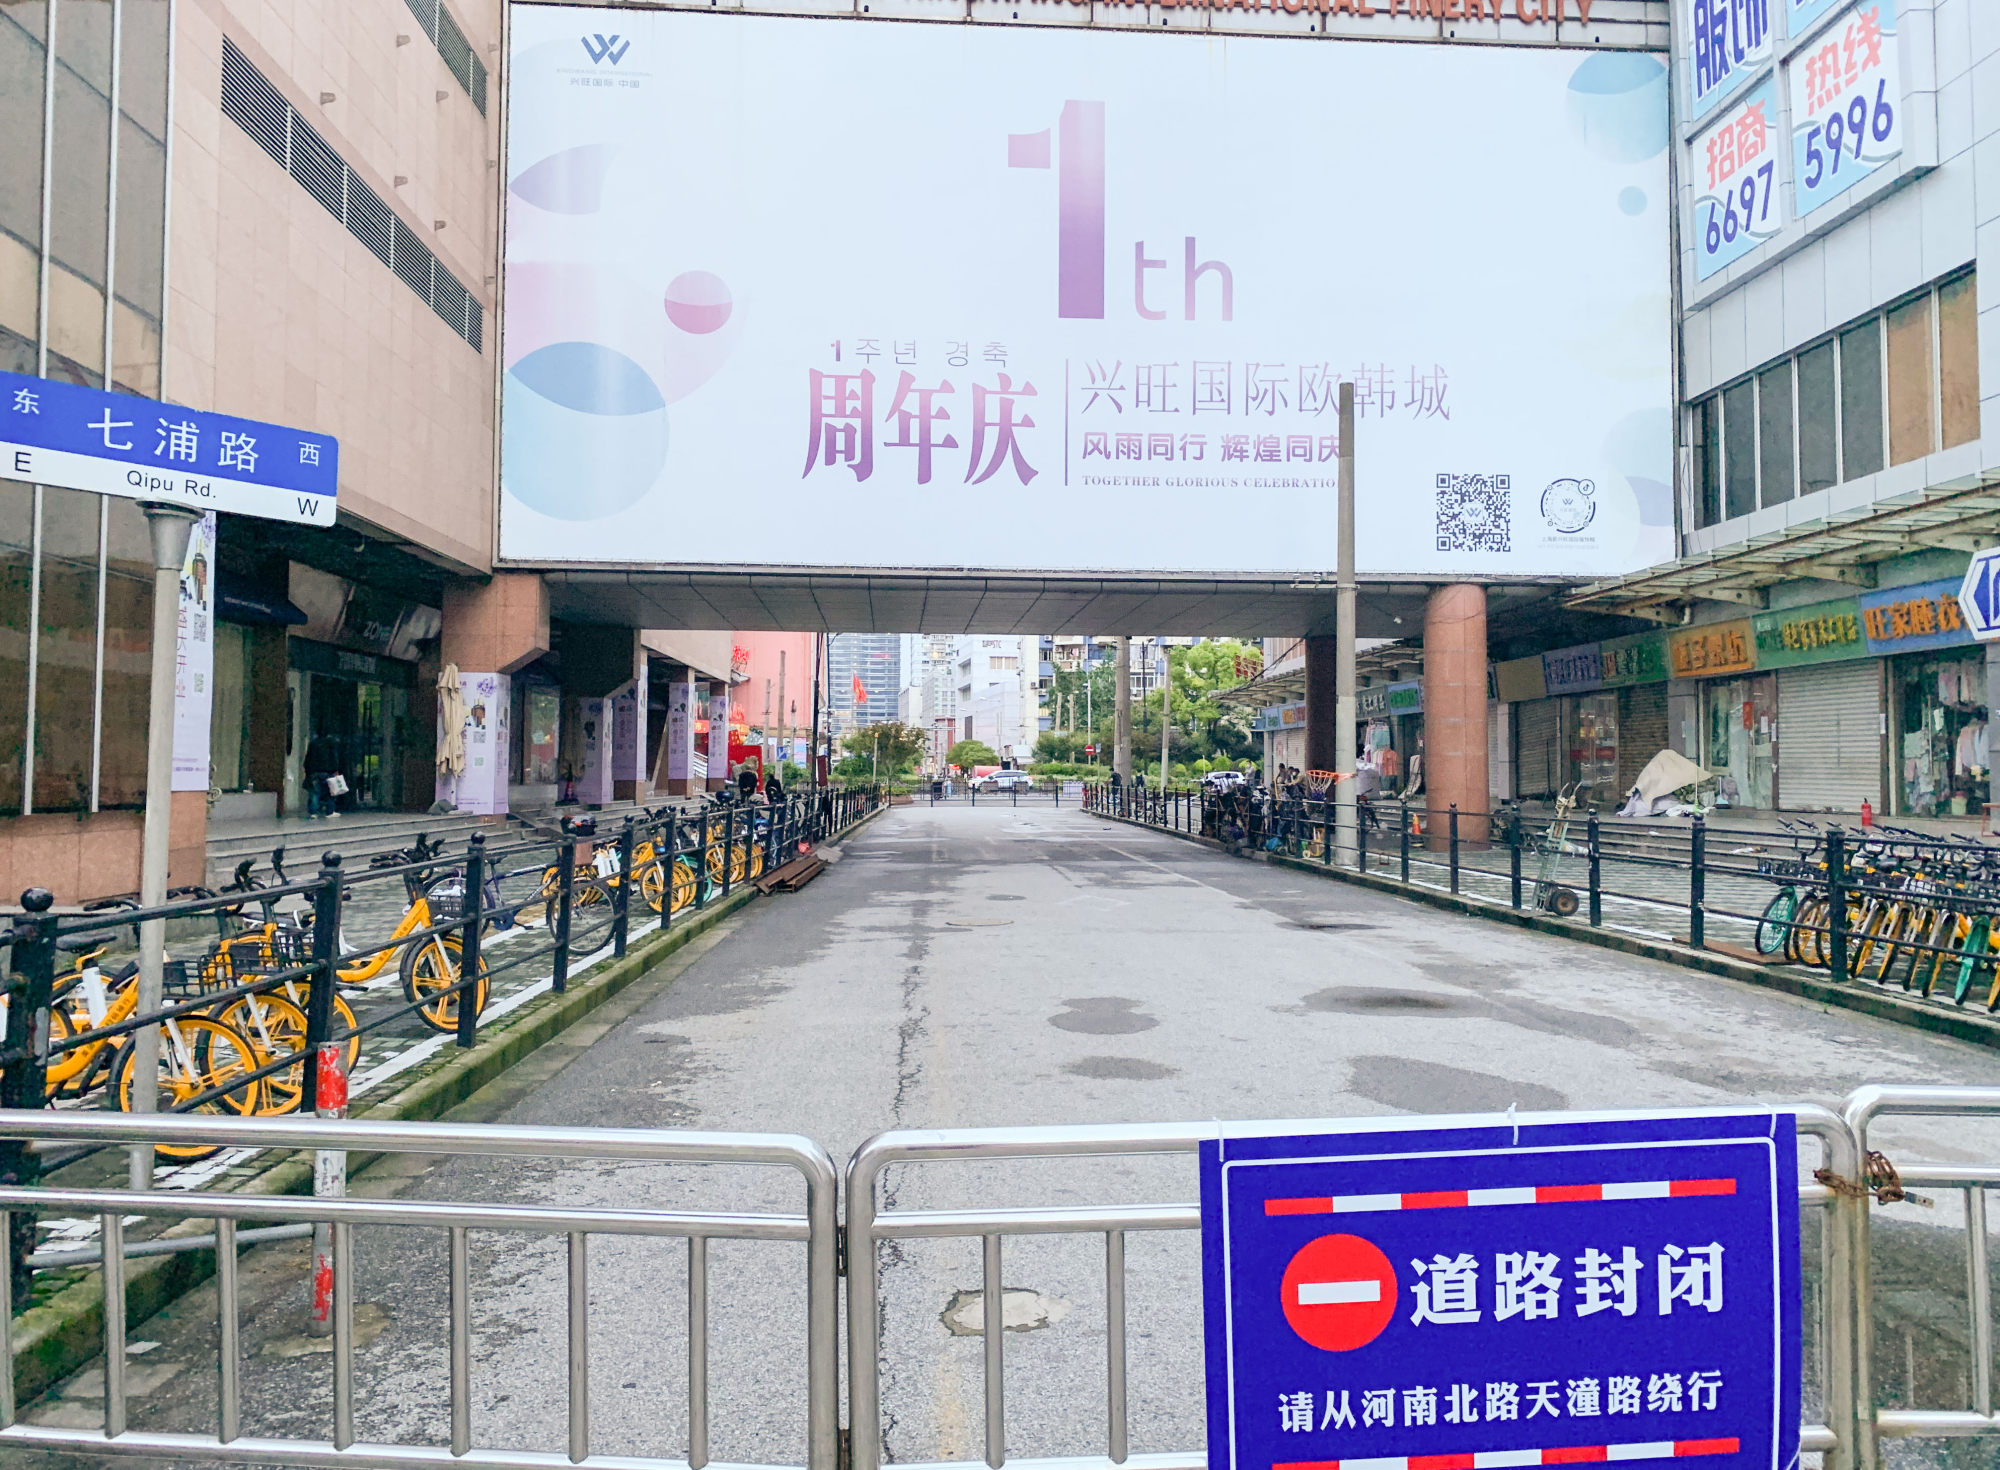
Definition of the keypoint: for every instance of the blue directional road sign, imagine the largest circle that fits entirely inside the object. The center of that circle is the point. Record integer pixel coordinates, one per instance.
(1459, 1295)
(55, 433)
(1979, 595)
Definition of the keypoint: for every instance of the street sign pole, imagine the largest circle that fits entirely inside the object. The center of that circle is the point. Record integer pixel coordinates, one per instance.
(170, 526)
(1979, 602)
(1346, 835)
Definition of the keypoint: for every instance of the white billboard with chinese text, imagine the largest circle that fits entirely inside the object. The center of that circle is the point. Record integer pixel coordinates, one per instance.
(829, 292)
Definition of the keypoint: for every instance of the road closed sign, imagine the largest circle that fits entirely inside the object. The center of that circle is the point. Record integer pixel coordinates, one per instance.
(1471, 1294)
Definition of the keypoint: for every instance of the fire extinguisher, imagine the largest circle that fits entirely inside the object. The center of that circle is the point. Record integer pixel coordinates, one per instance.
(1867, 812)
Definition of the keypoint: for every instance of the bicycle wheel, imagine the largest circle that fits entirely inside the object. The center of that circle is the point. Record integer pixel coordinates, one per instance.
(274, 1027)
(197, 1055)
(429, 972)
(1774, 929)
(685, 885)
(716, 860)
(1890, 938)
(756, 860)
(1937, 963)
(652, 886)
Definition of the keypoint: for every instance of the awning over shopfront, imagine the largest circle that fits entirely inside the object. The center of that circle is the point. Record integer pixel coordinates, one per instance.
(1962, 515)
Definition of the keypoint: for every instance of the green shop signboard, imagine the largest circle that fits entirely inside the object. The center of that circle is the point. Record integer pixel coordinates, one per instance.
(1820, 633)
(1639, 659)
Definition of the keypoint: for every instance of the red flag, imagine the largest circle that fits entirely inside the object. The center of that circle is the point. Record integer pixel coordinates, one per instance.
(860, 694)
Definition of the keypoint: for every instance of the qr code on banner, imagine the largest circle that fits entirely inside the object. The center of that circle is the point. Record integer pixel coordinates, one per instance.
(1475, 513)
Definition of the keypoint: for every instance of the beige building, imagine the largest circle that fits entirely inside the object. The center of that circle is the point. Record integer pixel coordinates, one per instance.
(295, 219)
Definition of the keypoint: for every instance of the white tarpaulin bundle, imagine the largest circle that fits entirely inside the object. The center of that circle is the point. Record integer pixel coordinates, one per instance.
(451, 724)
(1665, 773)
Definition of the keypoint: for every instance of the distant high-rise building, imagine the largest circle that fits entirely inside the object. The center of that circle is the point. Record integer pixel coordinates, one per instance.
(863, 664)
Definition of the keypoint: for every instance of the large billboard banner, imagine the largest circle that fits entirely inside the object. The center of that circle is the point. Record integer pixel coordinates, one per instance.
(785, 291)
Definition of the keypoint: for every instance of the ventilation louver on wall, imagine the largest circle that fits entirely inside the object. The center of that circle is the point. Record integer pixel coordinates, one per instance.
(453, 46)
(262, 112)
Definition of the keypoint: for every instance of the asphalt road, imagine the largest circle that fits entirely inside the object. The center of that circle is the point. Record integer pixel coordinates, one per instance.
(998, 965)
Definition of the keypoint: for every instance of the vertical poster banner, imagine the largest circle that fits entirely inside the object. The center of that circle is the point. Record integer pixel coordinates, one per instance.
(624, 733)
(482, 787)
(1727, 41)
(194, 660)
(1737, 202)
(680, 729)
(718, 733)
(593, 786)
(1847, 105)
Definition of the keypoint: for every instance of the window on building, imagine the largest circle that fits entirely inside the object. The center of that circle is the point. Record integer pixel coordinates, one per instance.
(1958, 361)
(1891, 388)
(1774, 433)
(1739, 450)
(1708, 461)
(1861, 400)
(1819, 416)
(1912, 382)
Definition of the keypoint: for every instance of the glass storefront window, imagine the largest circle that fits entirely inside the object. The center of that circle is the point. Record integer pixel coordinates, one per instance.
(1941, 746)
(1593, 745)
(544, 719)
(1739, 725)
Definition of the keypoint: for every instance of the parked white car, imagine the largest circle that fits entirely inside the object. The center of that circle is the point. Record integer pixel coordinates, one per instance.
(1004, 781)
(1223, 780)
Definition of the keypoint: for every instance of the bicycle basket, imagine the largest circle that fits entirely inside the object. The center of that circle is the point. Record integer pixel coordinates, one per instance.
(176, 979)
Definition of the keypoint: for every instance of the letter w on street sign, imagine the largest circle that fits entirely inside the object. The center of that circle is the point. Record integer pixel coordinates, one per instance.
(1979, 595)
(56, 433)
(1467, 1293)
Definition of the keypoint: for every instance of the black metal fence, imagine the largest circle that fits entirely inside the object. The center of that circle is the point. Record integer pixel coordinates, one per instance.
(1909, 910)
(255, 1016)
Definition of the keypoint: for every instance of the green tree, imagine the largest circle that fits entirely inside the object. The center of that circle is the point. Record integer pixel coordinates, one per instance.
(969, 753)
(889, 748)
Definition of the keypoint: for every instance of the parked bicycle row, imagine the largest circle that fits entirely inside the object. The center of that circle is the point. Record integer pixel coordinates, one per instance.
(1876, 904)
(266, 973)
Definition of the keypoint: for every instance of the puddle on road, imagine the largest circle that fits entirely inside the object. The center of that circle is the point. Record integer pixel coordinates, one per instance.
(1121, 1069)
(1103, 1015)
(1359, 1001)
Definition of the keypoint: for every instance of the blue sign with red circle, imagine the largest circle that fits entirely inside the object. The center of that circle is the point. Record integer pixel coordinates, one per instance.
(1477, 1296)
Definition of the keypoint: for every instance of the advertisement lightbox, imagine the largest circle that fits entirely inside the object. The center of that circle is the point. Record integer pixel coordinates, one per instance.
(786, 291)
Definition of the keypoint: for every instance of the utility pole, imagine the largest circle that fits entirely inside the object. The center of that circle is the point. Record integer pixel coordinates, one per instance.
(170, 526)
(1345, 826)
(1121, 740)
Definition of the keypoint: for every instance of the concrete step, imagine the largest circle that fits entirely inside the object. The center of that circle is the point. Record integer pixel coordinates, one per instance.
(355, 838)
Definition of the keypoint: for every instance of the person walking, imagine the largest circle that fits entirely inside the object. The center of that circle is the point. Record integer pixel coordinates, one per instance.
(324, 783)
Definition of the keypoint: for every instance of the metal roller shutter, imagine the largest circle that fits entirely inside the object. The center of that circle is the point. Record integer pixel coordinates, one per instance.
(1540, 761)
(1642, 730)
(1830, 737)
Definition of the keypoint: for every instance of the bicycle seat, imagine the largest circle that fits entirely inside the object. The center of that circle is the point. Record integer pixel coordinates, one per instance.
(95, 942)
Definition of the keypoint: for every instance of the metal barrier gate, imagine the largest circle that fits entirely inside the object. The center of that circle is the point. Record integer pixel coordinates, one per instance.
(868, 1227)
(1839, 1190)
(814, 1225)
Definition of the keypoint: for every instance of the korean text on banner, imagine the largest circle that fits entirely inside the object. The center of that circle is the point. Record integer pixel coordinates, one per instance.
(56, 433)
(1846, 105)
(1614, 1287)
(1737, 202)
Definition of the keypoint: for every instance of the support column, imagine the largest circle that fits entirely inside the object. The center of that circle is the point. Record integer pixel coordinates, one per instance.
(718, 734)
(1121, 737)
(677, 745)
(1322, 704)
(492, 630)
(1455, 711)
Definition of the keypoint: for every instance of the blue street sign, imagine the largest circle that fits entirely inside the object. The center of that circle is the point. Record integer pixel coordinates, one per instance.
(55, 433)
(1423, 1297)
(1979, 595)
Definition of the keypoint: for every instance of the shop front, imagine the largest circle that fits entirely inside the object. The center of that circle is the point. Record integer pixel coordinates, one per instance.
(1406, 735)
(1829, 706)
(1371, 708)
(1736, 710)
(1586, 718)
(356, 720)
(1936, 685)
(1634, 671)
(1283, 727)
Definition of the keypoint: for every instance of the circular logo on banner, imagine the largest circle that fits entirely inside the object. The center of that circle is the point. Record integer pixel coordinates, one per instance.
(1339, 1292)
(1569, 505)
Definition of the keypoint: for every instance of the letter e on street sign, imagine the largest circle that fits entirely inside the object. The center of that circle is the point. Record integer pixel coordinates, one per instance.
(1473, 1293)
(1979, 595)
